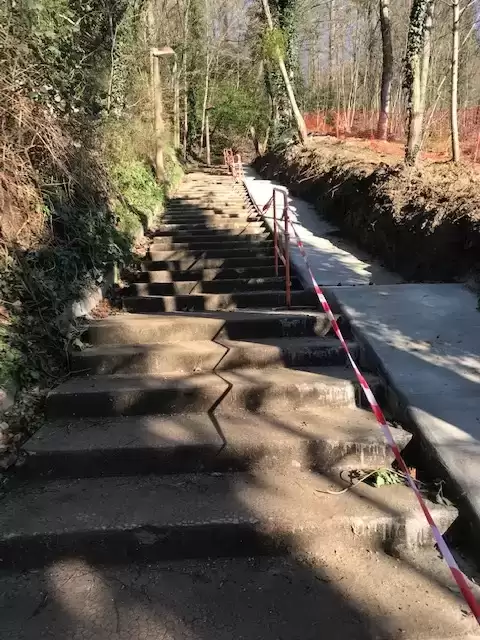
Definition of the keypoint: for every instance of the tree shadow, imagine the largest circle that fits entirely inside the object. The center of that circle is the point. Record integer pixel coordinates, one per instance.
(298, 592)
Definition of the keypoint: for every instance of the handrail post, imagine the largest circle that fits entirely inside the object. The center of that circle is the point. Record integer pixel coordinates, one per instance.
(288, 293)
(275, 232)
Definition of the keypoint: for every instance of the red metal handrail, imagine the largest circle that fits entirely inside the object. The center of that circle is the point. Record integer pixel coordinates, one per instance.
(281, 252)
(281, 248)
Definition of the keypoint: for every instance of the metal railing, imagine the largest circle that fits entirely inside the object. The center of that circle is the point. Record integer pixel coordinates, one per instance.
(281, 233)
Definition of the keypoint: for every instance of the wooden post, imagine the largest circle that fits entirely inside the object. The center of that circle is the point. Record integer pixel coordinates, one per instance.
(158, 118)
(207, 136)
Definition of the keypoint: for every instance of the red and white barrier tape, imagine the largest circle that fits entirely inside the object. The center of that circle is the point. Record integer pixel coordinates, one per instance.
(457, 574)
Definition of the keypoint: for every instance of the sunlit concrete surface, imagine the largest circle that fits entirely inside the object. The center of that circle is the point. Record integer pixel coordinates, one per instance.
(427, 337)
(333, 260)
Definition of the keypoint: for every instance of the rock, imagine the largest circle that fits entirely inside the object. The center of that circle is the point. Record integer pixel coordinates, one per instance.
(4, 426)
(6, 400)
(4, 439)
(8, 459)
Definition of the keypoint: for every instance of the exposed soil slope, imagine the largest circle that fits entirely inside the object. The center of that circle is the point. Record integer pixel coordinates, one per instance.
(423, 223)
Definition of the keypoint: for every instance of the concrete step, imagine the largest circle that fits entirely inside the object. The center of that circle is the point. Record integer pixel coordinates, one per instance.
(178, 254)
(252, 390)
(211, 235)
(204, 355)
(125, 328)
(214, 236)
(209, 286)
(204, 244)
(209, 274)
(206, 205)
(219, 301)
(332, 593)
(198, 515)
(330, 441)
(223, 198)
(253, 226)
(204, 263)
(206, 211)
(200, 215)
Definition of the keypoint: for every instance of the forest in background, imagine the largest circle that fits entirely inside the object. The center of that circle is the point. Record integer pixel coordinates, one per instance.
(78, 179)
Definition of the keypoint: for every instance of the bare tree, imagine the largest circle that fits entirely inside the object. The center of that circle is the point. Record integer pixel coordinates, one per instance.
(387, 69)
(416, 73)
(454, 75)
(300, 122)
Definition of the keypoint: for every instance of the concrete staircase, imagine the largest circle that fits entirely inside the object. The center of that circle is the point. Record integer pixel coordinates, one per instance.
(208, 421)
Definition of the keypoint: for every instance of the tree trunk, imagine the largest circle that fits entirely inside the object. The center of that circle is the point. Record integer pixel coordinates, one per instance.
(185, 80)
(176, 106)
(454, 96)
(205, 99)
(158, 119)
(427, 50)
(331, 37)
(301, 128)
(387, 69)
(416, 73)
(207, 138)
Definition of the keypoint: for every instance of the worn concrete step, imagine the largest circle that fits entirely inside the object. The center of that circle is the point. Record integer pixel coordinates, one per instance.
(215, 224)
(333, 593)
(209, 274)
(209, 212)
(204, 244)
(224, 198)
(253, 390)
(194, 217)
(207, 206)
(209, 286)
(211, 235)
(203, 355)
(206, 211)
(251, 252)
(219, 301)
(330, 441)
(217, 236)
(198, 515)
(204, 263)
(127, 328)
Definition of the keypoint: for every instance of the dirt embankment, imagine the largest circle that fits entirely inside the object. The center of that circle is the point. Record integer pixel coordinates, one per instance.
(423, 223)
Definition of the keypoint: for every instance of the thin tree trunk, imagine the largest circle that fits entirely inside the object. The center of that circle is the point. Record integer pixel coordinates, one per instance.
(205, 99)
(207, 78)
(440, 86)
(427, 50)
(387, 70)
(176, 105)
(185, 80)
(301, 128)
(158, 119)
(454, 96)
(207, 138)
(112, 64)
(418, 62)
(331, 38)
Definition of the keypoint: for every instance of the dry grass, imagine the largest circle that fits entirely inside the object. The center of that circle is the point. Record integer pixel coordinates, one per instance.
(30, 137)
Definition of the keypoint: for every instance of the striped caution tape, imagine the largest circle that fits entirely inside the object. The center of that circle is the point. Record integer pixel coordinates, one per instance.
(457, 574)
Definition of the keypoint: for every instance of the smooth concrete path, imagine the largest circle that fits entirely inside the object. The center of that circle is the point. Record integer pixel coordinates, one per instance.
(333, 260)
(425, 336)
